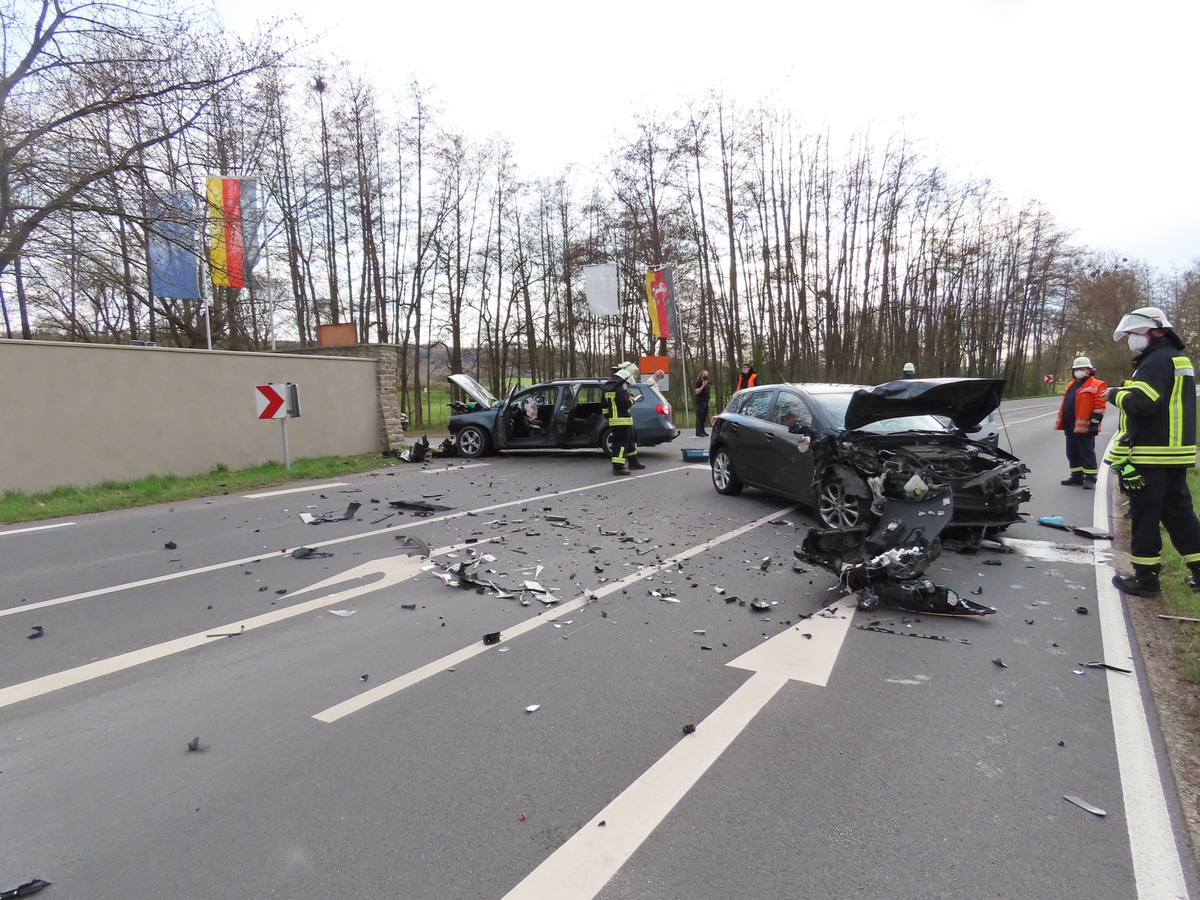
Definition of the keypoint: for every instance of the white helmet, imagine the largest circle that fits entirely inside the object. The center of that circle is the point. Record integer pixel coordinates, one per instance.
(629, 372)
(1140, 321)
(910, 369)
(1082, 362)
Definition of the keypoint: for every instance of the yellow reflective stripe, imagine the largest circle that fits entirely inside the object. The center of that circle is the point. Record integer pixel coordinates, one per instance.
(1189, 558)
(1142, 386)
(1145, 560)
(1163, 456)
(1183, 366)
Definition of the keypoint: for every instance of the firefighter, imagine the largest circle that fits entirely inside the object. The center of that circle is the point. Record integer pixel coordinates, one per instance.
(1079, 416)
(1154, 447)
(909, 371)
(618, 410)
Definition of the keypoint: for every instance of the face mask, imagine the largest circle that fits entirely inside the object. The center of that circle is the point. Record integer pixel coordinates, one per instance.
(1080, 373)
(1138, 342)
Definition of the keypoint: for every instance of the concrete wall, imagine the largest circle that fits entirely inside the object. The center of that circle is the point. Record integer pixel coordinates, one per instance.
(85, 413)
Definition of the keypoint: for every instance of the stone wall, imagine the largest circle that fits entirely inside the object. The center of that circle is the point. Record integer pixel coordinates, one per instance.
(387, 371)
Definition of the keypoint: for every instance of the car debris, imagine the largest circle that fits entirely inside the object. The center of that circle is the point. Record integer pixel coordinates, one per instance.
(351, 511)
(38, 631)
(1083, 804)
(1104, 665)
(419, 505)
(886, 565)
(24, 890)
(1087, 531)
(411, 545)
(309, 553)
(194, 745)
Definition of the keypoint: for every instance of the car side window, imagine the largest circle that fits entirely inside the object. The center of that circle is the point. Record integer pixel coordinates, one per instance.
(758, 405)
(790, 408)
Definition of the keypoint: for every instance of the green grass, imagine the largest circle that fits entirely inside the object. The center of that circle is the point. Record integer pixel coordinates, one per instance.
(1180, 600)
(17, 506)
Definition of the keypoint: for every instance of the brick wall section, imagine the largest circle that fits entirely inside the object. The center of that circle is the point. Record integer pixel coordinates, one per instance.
(387, 367)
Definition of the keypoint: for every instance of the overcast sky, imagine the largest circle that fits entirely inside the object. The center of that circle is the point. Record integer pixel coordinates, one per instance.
(1088, 107)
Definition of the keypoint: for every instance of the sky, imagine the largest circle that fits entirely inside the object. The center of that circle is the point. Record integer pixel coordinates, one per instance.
(1087, 107)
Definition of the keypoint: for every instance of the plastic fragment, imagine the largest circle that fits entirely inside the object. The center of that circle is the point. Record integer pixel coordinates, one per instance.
(532, 708)
(1082, 610)
(38, 631)
(492, 637)
(194, 745)
(1104, 665)
(999, 702)
(32, 887)
(344, 613)
(1083, 804)
(689, 729)
(999, 662)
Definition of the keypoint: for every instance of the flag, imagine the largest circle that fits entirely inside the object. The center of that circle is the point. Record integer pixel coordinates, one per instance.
(232, 230)
(601, 286)
(171, 227)
(660, 295)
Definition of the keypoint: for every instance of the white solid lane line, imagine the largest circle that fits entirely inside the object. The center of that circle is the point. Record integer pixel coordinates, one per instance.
(35, 528)
(294, 490)
(416, 676)
(582, 866)
(265, 554)
(1157, 870)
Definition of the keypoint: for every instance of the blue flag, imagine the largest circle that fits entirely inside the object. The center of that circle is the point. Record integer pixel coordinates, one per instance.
(172, 232)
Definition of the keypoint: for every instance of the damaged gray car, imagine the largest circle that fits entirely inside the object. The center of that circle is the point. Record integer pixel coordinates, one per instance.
(845, 450)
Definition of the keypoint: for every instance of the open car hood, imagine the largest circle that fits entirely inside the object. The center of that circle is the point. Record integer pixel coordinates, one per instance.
(965, 401)
(475, 391)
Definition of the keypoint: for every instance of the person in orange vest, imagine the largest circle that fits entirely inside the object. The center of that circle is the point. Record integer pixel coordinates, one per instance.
(1079, 416)
(747, 378)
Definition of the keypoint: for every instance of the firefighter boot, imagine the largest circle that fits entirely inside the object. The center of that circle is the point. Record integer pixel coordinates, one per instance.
(1142, 583)
(1193, 580)
(634, 463)
(619, 469)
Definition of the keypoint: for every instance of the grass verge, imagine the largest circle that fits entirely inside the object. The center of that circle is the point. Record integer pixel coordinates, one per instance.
(17, 506)
(1180, 600)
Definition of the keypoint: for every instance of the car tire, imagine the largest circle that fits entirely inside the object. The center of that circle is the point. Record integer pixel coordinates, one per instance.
(473, 442)
(837, 507)
(724, 479)
(606, 443)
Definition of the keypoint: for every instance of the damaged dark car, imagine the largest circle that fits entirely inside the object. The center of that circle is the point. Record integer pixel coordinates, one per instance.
(845, 450)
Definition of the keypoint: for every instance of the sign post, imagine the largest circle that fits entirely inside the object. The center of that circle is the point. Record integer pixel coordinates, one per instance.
(278, 401)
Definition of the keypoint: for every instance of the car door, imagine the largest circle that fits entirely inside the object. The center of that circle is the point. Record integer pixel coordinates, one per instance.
(789, 460)
(751, 454)
(560, 428)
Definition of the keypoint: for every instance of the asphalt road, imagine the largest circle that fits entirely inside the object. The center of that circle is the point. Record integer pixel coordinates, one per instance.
(360, 739)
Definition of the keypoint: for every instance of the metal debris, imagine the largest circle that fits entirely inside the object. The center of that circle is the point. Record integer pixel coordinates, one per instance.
(412, 545)
(1104, 665)
(32, 887)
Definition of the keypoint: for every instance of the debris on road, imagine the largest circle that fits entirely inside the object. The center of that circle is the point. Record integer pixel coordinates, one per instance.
(1083, 804)
(32, 887)
(309, 553)
(687, 729)
(38, 631)
(1104, 665)
(532, 707)
(419, 506)
(194, 745)
(492, 637)
(344, 613)
(410, 545)
(351, 511)
(170, 545)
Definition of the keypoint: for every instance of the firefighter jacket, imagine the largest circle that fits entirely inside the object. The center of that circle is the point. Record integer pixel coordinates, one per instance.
(1158, 409)
(1088, 406)
(618, 405)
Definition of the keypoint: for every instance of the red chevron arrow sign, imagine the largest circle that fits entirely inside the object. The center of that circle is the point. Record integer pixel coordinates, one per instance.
(269, 401)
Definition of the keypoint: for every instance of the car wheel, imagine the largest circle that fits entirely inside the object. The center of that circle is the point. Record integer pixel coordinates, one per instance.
(606, 443)
(473, 442)
(838, 508)
(723, 476)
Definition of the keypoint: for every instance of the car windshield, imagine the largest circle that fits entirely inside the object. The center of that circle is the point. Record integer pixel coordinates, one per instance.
(834, 407)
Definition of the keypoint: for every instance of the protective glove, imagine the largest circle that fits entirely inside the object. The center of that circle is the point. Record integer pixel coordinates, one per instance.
(1094, 424)
(1130, 478)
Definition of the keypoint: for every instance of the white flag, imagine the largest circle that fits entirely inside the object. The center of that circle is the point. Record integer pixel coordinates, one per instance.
(601, 287)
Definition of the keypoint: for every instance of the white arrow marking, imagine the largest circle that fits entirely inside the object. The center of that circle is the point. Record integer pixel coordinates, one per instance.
(582, 866)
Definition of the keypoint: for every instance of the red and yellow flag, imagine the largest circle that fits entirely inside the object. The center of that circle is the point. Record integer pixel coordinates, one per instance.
(231, 219)
(658, 296)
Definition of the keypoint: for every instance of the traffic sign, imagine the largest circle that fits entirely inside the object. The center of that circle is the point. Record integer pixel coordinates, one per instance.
(270, 401)
(1049, 379)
